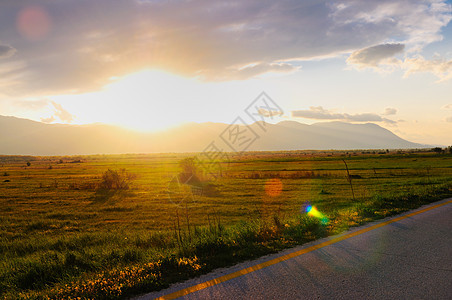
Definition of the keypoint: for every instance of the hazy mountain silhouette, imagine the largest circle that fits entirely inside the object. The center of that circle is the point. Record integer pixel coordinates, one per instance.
(26, 137)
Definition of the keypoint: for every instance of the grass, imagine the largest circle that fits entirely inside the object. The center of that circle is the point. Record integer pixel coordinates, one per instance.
(61, 236)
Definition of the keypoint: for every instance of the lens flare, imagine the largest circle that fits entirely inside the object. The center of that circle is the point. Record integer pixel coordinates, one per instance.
(273, 187)
(314, 212)
(33, 22)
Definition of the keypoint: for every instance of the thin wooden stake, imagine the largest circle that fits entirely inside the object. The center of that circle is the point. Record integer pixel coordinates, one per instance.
(349, 179)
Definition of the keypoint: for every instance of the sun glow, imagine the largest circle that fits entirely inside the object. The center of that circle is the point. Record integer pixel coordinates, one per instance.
(152, 100)
(145, 101)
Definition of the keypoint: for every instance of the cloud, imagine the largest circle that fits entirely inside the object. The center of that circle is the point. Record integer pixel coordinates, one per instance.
(418, 26)
(209, 39)
(319, 113)
(375, 55)
(48, 120)
(447, 107)
(389, 111)
(440, 67)
(60, 113)
(6, 51)
(269, 113)
(12, 73)
(449, 119)
(249, 71)
(22, 107)
(381, 58)
(33, 105)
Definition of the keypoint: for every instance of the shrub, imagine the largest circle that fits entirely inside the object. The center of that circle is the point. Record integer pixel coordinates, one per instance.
(116, 180)
(189, 174)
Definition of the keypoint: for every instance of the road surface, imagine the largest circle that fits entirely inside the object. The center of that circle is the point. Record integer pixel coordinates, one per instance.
(405, 257)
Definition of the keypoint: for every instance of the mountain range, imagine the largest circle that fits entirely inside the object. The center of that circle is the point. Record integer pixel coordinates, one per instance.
(26, 137)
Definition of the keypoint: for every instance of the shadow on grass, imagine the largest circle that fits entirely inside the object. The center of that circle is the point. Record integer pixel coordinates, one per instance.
(103, 196)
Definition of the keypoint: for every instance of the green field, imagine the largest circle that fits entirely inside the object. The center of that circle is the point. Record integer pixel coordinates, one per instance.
(63, 236)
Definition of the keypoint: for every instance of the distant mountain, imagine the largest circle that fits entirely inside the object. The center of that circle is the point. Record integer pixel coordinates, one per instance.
(26, 137)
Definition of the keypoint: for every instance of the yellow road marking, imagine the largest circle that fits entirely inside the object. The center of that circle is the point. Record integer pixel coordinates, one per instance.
(274, 261)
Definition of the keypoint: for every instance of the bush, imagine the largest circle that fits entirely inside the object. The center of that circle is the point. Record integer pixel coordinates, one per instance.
(189, 174)
(116, 180)
(188, 165)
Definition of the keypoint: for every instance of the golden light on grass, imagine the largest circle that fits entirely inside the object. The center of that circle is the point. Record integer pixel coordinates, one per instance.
(121, 234)
(273, 187)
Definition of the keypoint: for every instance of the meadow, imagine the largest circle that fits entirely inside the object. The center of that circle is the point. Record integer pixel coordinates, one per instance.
(64, 234)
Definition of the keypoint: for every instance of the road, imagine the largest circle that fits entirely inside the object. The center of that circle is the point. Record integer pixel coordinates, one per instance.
(405, 257)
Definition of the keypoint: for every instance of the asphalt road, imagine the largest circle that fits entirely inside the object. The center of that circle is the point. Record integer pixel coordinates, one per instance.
(399, 258)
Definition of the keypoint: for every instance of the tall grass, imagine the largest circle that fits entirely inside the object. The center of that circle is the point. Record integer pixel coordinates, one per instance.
(152, 261)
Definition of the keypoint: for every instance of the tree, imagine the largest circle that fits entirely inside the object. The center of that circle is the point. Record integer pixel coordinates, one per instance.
(188, 165)
(114, 180)
(437, 150)
(189, 172)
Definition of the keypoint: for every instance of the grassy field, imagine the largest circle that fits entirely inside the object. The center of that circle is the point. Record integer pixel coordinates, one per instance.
(63, 236)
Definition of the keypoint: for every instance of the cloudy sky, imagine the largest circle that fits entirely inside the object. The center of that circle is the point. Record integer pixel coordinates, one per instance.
(151, 64)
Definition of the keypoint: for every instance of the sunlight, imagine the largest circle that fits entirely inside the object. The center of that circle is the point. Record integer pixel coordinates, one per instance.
(146, 101)
(152, 100)
(273, 187)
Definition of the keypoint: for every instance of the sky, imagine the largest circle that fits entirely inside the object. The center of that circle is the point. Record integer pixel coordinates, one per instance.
(153, 64)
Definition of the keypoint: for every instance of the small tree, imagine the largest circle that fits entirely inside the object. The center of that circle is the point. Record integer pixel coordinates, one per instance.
(189, 172)
(449, 149)
(28, 164)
